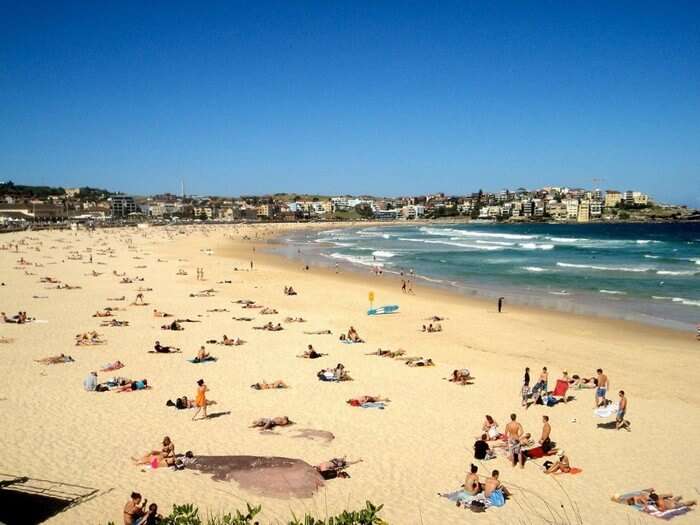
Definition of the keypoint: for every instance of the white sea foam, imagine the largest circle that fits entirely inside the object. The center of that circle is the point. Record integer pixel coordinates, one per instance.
(448, 232)
(364, 260)
(613, 292)
(535, 246)
(453, 243)
(479, 241)
(676, 272)
(565, 239)
(647, 256)
(646, 241)
(533, 269)
(560, 292)
(384, 254)
(635, 269)
(681, 300)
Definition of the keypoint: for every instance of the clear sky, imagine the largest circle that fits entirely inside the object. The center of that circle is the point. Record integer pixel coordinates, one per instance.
(371, 97)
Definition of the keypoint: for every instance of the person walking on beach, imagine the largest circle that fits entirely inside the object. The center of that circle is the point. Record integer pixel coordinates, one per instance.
(620, 421)
(601, 391)
(251, 265)
(200, 399)
(403, 285)
(500, 304)
(525, 391)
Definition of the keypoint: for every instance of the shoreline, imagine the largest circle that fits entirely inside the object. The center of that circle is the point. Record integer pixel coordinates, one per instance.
(391, 282)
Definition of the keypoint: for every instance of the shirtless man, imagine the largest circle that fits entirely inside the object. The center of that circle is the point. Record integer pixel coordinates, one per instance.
(602, 388)
(514, 431)
(492, 484)
(546, 431)
(471, 484)
(134, 509)
(620, 421)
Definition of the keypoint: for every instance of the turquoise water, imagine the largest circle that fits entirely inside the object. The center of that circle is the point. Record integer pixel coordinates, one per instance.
(646, 272)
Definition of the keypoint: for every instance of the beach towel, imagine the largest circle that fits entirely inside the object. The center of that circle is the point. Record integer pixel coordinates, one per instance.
(561, 388)
(650, 509)
(378, 404)
(573, 471)
(209, 359)
(606, 411)
(464, 498)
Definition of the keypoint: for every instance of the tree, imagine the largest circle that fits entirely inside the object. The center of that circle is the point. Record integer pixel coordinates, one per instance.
(364, 210)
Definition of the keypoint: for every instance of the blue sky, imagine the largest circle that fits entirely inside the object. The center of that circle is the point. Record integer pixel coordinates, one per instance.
(361, 97)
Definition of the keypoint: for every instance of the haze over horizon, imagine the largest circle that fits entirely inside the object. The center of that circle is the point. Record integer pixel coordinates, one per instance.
(361, 98)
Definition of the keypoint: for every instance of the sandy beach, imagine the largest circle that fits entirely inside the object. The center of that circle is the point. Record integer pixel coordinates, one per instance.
(418, 446)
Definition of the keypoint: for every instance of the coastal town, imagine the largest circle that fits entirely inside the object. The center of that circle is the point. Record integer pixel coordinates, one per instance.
(21, 206)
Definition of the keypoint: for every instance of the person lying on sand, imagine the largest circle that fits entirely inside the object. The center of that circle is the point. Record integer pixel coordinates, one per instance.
(294, 320)
(268, 311)
(104, 313)
(114, 322)
(560, 465)
(134, 385)
(158, 313)
(160, 349)
(579, 382)
(6, 340)
(109, 367)
(243, 301)
(335, 468)
(242, 318)
(268, 423)
(218, 310)
(164, 457)
(183, 402)
(269, 386)
(462, 376)
(188, 320)
(421, 361)
(654, 501)
(320, 332)
(361, 400)
(204, 293)
(55, 360)
(19, 318)
(49, 280)
(125, 280)
(388, 353)
(435, 318)
(172, 326)
(181, 272)
(122, 298)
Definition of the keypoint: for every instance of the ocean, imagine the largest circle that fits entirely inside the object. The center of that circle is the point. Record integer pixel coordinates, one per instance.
(643, 272)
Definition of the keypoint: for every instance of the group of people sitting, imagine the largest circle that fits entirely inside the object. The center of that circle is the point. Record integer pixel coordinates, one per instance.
(270, 327)
(334, 374)
(352, 336)
(288, 290)
(89, 339)
(437, 327)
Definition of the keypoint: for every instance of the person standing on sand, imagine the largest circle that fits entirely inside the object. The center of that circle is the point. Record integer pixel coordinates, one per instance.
(200, 399)
(251, 265)
(545, 440)
(620, 421)
(602, 389)
(500, 304)
(403, 285)
(514, 431)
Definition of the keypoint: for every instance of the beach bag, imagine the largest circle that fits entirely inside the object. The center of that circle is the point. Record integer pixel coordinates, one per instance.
(477, 506)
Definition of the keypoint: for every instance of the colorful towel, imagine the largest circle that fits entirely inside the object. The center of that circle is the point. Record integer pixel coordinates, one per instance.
(650, 509)
(377, 404)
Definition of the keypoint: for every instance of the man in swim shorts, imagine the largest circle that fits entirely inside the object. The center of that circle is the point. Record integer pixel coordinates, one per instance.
(602, 389)
(620, 421)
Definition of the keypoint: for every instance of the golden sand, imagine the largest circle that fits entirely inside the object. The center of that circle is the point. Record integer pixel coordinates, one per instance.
(419, 446)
